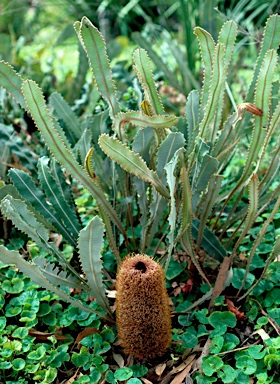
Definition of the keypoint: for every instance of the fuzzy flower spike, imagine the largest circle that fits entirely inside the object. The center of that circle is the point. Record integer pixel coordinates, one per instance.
(143, 312)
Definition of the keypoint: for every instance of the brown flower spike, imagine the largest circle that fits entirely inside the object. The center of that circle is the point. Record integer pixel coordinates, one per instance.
(143, 312)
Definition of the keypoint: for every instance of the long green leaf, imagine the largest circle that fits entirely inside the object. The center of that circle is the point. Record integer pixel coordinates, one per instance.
(55, 197)
(216, 88)
(57, 276)
(145, 75)
(90, 245)
(36, 104)
(186, 222)
(252, 210)
(271, 40)
(11, 81)
(95, 47)
(274, 254)
(214, 187)
(172, 217)
(192, 116)
(24, 219)
(259, 239)
(28, 190)
(207, 49)
(142, 42)
(65, 113)
(166, 151)
(227, 37)
(34, 272)
(209, 242)
(131, 162)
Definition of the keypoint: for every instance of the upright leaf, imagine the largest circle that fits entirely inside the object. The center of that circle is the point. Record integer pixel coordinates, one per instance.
(186, 222)
(145, 75)
(192, 116)
(11, 81)
(216, 88)
(271, 40)
(56, 198)
(207, 48)
(166, 151)
(95, 47)
(90, 245)
(66, 114)
(172, 217)
(28, 190)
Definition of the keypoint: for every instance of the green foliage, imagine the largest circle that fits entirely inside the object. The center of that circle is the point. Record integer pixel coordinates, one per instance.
(156, 184)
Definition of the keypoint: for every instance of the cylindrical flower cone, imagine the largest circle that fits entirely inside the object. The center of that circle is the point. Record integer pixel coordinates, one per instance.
(143, 312)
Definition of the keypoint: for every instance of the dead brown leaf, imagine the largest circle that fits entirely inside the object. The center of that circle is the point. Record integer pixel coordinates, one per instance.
(146, 381)
(84, 333)
(189, 361)
(220, 281)
(43, 336)
(118, 359)
(160, 368)
(178, 379)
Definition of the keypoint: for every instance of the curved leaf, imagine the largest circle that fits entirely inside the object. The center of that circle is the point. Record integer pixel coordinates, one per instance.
(141, 120)
(131, 162)
(34, 272)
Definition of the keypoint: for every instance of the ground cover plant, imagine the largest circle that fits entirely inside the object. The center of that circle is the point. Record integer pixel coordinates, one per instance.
(199, 193)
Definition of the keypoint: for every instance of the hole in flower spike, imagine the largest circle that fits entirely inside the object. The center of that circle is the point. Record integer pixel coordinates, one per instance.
(140, 266)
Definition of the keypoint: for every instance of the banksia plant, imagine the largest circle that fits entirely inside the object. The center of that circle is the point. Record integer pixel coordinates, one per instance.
(143, 312)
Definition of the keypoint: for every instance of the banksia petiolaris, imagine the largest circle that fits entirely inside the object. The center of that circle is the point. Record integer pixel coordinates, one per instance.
(143, 312)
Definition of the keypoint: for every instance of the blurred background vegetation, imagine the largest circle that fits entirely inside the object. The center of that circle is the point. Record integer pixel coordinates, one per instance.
(37, 36)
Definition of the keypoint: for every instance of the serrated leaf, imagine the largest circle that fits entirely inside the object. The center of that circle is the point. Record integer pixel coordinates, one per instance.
(145, 75)
(24, 220)
(11, 81)
(36, 104)
(56, 276)
(207, 48)
(95, 47)
(141, 41)
(142, 143)
(172, 217)
(66, 114)
(271, 40)
(90, 245)
(192, 116)
(186, 222)
(131, 162)
(27, 189)
(33, 271)
(217, 85)
(166, 151)
(55, 197)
